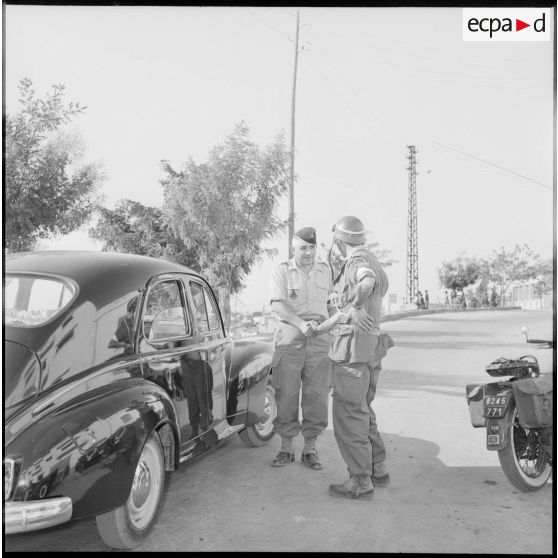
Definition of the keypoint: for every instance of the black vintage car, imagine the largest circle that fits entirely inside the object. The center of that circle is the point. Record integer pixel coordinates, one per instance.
(117, 368)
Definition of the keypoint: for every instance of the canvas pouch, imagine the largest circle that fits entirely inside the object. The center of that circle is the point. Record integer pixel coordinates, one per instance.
(533, 399)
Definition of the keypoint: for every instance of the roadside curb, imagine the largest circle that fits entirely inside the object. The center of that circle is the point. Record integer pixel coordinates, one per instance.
(400, 315)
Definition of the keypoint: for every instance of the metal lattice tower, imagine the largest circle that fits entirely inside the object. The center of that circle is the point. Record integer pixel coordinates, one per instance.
(412, 240)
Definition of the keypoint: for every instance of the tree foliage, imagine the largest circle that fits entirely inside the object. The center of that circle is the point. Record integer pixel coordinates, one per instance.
(225, 209)
(47, 190)
(137, 229)
(459, 273)
(542, 272)
(505, 267)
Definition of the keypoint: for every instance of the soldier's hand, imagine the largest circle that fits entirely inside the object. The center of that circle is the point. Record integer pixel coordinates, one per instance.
(314, 325)
(361, 318)
(309, 329)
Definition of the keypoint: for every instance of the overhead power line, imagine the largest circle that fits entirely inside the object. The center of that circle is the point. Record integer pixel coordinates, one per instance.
(494, 165)
(358, 116)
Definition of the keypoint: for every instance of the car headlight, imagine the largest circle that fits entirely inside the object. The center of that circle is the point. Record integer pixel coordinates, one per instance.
(9, 476)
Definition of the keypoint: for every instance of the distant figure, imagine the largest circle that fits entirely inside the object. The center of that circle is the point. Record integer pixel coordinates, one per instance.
(463, 302)
(447, 302)
(485, 299)
(418, 299)
(426, 300)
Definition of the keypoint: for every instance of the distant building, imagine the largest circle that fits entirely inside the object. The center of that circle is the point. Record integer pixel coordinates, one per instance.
(525, 295)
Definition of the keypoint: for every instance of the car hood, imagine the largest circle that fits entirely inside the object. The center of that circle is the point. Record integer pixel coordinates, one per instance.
(22, 376)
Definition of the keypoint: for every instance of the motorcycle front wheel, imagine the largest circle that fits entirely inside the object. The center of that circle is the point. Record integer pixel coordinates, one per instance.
(525, 460)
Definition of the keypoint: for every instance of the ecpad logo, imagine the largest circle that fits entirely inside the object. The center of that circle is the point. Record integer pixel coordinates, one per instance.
(506, 24)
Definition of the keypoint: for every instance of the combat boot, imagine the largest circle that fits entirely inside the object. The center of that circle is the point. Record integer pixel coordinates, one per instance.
(380, 477)
(356, 487)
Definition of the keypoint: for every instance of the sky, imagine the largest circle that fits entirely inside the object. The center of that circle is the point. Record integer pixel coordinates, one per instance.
(170, 83)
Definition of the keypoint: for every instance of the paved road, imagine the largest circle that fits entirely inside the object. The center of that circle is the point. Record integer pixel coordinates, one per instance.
(448, 493)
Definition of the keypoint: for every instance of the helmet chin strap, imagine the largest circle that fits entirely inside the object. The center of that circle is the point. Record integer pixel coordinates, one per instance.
(333, 277)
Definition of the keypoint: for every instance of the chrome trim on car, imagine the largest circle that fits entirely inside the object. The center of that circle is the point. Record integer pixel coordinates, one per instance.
(21, 517)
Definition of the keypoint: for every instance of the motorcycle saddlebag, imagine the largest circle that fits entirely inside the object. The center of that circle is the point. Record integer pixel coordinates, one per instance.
(475, 396)
(533, 399)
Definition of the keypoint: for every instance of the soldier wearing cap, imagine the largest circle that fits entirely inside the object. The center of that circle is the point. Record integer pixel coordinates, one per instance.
(357, 349)
(300, 288)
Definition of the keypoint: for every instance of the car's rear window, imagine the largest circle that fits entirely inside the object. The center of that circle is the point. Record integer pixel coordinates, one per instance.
(30, 300)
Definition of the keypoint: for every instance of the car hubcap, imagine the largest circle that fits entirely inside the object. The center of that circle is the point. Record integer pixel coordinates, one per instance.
(141, 486)
(143, 500)
(270, 412)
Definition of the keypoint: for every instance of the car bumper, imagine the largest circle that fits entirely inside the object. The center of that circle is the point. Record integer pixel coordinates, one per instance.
(20, 517)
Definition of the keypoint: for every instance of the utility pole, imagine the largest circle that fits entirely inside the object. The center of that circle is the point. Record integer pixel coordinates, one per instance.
(412, 240)
(291, 185)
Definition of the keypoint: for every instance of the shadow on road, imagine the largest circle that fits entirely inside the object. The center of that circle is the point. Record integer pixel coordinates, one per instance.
(428, 507)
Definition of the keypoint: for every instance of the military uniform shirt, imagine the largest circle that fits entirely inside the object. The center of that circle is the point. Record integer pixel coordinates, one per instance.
(361, 263)
(308, 294)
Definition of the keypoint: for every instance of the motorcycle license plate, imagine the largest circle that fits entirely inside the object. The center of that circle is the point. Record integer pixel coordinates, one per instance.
(495, 405)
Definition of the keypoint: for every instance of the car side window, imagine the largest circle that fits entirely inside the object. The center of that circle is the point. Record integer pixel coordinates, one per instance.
(200, 313)
(165, 314)
(205, 310)
(211, 310)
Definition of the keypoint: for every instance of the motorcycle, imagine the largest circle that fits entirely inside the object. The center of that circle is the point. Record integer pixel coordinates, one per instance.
(517, 413)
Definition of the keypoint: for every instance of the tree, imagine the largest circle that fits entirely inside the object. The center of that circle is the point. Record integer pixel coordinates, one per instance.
(47, 190)
(137, 229)
(542, 272)
(225, 209)
(504, 268)
(459, 273)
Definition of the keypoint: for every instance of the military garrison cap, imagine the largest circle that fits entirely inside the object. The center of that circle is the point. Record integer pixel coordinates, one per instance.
(308, 234)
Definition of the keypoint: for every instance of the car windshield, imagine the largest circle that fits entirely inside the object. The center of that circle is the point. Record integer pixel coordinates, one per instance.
(30, 300)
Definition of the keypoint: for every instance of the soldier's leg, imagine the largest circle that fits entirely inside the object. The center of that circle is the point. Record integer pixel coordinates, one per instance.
(380, 476)
(288, 361)
(378, 446)
(286, 382)
(316, 379)
(351, 416)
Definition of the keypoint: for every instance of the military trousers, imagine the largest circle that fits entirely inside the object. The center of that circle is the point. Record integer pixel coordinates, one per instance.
(354, 421)
(300, 363)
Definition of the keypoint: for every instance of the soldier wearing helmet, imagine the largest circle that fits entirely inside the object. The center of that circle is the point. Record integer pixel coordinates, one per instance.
(356, 352)
(300, 288)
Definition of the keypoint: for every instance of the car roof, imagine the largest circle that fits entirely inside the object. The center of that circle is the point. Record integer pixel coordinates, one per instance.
(83, 266)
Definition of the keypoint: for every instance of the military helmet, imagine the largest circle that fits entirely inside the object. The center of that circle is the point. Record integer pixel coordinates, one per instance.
(349, 229)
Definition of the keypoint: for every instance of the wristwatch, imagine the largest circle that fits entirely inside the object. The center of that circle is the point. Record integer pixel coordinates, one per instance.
(356, 307)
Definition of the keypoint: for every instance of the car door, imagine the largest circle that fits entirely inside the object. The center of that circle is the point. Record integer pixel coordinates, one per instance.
(173, 357)
(210, 334)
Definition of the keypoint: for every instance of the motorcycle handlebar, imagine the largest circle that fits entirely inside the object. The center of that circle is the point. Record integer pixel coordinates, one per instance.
(542, 342)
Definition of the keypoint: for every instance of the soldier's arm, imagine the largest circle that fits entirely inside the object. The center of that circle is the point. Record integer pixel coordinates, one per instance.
(331, 322)
(366, 279)
(287, 314)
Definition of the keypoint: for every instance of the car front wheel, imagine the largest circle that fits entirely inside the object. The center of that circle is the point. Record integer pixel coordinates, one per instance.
(127, 526)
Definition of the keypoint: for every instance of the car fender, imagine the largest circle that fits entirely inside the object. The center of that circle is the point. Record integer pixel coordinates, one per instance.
(88, 449)
(250, 368)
